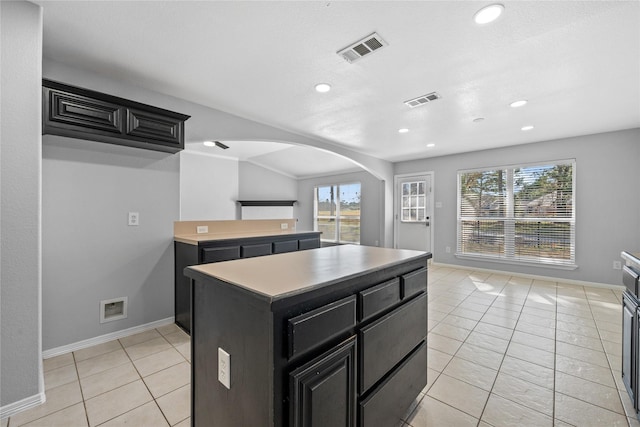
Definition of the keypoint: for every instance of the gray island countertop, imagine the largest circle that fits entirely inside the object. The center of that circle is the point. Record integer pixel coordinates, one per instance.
(278, 276)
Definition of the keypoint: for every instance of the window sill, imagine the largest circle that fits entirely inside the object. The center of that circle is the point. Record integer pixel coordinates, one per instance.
(514, 262)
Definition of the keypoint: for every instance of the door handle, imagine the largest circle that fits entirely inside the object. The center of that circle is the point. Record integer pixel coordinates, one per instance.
(426, 223)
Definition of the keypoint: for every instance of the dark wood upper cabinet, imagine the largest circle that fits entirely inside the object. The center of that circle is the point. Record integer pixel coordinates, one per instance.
(85, 114)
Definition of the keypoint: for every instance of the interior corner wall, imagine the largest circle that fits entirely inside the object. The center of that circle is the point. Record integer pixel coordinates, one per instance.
(208, 187)
(20, 180)
(607, 204)
(371, 202)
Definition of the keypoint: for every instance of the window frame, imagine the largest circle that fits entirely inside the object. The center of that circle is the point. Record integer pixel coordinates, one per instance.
(337, 239)
(511, 218)
(418, 207)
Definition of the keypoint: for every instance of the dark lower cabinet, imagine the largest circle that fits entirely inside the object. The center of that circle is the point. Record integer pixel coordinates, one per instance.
(630, 345)
(322, 391)
(226, 250)
(348, 352)
(631, 329)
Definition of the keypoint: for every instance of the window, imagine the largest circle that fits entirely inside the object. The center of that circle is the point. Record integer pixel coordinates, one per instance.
(413, 202)
(337, 213)
(522, 214)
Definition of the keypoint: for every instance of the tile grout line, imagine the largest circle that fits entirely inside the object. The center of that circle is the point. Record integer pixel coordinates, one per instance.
(504, 355)
(144, 382)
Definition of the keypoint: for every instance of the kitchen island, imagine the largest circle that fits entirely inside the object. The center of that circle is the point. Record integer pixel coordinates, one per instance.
(332, 336)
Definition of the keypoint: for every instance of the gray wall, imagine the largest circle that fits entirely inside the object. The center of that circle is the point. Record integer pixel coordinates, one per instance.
(607, 202)
(371, 209)
(89, 252)
(20, 166)
(259, 183)
(208, 187)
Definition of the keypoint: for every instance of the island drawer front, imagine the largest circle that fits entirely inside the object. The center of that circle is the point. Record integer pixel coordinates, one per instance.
(389, 402)
(378, 298)
(414, 282)
(286, 246)
(316, 327)
(261, 249)
(388, 340)
(309, 243)
(224, 253)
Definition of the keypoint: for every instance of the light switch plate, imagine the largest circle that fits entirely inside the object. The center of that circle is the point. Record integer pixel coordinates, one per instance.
(284, 226)
(134, 218)
(224, 368)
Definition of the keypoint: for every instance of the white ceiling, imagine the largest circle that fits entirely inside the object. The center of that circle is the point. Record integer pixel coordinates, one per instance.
(576, 62)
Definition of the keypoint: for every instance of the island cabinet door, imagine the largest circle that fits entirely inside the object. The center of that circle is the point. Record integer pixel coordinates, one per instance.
(322, 391)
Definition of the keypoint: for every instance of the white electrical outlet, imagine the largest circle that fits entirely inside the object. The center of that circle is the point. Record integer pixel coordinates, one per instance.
(284, 226)
(134, 218)
(448, 249)
(617, 265)
(202, 229)
(224, 368)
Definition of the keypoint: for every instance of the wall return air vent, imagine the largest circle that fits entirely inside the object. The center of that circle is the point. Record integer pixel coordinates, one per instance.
(363, 47)
(421, 100)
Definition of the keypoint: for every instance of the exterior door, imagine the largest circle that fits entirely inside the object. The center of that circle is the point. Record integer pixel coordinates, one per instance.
(413, 212)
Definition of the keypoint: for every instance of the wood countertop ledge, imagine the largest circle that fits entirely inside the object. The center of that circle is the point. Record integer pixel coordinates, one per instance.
(194, 239)
(281, 276)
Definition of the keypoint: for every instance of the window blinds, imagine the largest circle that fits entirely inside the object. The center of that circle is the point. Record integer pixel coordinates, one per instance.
(523, 213)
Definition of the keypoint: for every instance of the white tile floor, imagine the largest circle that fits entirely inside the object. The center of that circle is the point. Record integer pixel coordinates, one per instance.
(503, 351)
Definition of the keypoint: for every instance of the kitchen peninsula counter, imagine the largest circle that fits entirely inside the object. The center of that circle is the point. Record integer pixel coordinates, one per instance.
(229, 240)
(194, 239)
(332, 336)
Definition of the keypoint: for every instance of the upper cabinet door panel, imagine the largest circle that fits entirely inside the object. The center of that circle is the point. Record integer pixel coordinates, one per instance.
(155, 127)
(70, 111)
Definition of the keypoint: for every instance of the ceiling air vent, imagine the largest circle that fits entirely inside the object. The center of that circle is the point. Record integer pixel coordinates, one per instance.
(421, 100)
(362, 47)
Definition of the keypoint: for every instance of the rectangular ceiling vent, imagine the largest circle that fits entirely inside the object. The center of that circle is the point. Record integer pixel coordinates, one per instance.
(362, 47)
(421, 100)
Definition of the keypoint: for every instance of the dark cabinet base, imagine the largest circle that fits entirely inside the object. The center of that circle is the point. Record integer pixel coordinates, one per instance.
(298, 360)
(227, 250)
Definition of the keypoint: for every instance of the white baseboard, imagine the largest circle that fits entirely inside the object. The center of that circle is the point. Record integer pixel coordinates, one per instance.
(105, 338)
(532, 276)
(22, 405)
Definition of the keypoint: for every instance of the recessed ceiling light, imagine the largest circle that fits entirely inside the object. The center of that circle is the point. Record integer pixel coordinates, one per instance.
(209, 143)
(431, 145)
(516, 104)
(525, 128)
(323, 87)
(478, 120)
(488, 14)
(403, 130)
